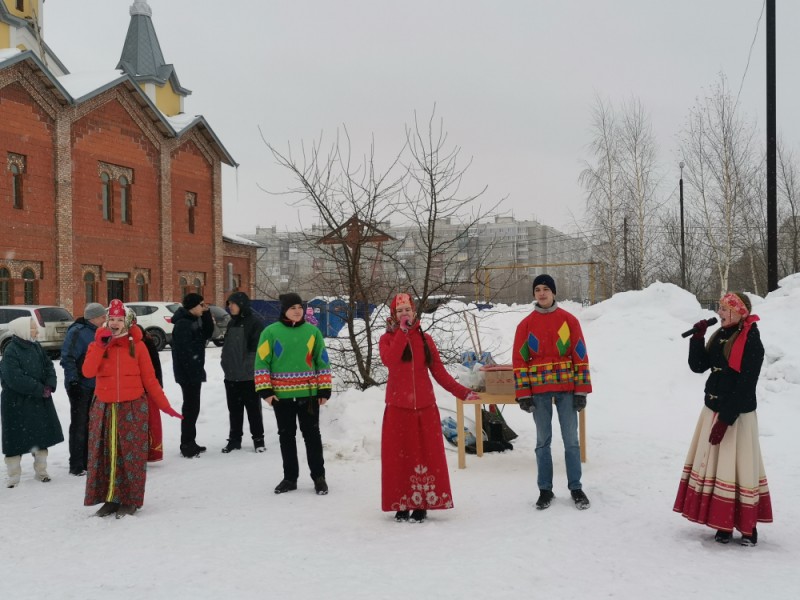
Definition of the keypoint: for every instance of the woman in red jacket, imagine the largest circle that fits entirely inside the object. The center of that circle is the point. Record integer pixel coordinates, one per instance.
(414, 473)
(118, 420)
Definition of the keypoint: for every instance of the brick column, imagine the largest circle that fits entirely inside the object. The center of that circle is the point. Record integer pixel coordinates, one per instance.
(168, 283)
(218, 274)
(65, 261)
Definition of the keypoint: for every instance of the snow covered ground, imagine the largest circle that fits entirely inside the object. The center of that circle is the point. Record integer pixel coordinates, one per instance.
(212, 528)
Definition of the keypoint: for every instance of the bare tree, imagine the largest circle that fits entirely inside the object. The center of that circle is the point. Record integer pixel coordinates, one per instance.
(788, 211)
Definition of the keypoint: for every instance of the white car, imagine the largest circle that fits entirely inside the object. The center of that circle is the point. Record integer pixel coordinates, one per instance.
(52, 321)
(156, 319)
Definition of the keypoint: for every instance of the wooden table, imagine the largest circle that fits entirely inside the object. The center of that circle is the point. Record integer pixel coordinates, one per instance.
(497, 399)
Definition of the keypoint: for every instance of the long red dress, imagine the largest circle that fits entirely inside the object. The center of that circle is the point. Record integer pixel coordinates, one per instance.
(413, 466)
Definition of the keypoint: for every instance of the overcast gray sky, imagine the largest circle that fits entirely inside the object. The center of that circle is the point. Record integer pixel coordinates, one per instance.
(514, 80)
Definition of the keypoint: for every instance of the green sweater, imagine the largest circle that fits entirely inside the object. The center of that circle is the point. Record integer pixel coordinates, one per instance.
(292, 362)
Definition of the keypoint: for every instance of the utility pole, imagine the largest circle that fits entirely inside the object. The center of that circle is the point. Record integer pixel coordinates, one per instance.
(683, 239)
(772, 171)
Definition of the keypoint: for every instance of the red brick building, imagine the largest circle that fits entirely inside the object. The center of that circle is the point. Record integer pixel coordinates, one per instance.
(107, 190)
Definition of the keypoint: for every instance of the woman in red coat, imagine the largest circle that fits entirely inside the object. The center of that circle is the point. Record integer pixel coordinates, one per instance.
(118, 419)
(413, 468)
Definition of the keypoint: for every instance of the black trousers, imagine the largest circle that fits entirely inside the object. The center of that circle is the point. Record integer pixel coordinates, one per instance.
(288, 413)
(190, 412)
(241, 396)
(79, 405)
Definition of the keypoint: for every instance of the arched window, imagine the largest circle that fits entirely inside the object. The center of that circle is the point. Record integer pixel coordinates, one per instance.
(29, 291)
(125, 200)
(6, 291)
(108, 198)
(141, 288)
(191, 204)
(198, 285)
(90, 287)
(184, 285)
(16, 185)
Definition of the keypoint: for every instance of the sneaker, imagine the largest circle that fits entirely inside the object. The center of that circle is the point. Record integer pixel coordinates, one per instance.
(258, 444)
(545, 498)
(580, 499)
(232, 445)
(109, 508)
(126, 510)
(401, 516)
(320, 486)
(750, 540)
(285, 486)
(418, 516)
(723, 537)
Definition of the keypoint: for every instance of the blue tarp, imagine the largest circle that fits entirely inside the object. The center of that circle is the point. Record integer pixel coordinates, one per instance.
(332, 316)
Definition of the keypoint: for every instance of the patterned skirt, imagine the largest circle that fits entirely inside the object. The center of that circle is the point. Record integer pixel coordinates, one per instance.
(414, 471)
(724, 486)
(118, 447)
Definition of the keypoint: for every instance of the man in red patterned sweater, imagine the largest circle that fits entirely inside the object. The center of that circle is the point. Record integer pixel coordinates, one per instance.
(551, 366)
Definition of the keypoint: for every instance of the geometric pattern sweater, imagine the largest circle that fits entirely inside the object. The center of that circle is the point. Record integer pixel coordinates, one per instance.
(549, 354)
(292, 362)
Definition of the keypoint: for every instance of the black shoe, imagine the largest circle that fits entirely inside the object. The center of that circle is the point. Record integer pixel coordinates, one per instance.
(126, 510)
(285, 486)
(750, 540)
(401, 516)
(232, 445)
(109, 508)
(77, 472)
(320, 486)
(723, 537)
(580, 499)
(418, 516)
(545, 498)
(258, 444)
(190, 451)
(200, 449)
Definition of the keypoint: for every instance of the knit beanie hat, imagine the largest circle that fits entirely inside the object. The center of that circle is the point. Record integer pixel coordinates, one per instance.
(401, 300)
(191, 300)
(117, 309)
(94, 310)
(545, 279)
(288, 301)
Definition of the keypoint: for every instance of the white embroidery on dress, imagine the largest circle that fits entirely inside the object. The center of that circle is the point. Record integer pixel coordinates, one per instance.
(423, 493)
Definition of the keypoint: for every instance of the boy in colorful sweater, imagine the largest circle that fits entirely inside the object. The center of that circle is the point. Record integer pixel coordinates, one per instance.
(551, 366)
(293, 375)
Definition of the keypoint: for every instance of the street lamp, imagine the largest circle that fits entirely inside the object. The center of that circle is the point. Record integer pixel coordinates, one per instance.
(683, 243)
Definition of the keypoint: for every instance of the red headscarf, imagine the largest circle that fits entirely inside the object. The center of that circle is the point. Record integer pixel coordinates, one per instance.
(734, 302)
(401, 300)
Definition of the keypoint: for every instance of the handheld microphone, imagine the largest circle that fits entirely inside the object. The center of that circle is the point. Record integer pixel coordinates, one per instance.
(693, 330)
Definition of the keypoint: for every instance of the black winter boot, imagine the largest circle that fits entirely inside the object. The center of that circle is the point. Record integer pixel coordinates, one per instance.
(418, 516)
(285, 486)
(258, 444)
(232, 445)
(545, 498)
(401, 516)
(750, 540)
(723, 537)
(321, 486)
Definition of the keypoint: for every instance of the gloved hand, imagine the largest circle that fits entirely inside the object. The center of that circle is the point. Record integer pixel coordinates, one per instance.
(473, 396)
(405, 323)
(391, 324)
(717, 432)
(103, 337)
(173, 413)
(700, 329)
(74, 390)
(579, 402)
(265, 393)
(526, 404)
(48, 392)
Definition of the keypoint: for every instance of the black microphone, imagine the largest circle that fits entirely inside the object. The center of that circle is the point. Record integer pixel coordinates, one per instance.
(693, 330)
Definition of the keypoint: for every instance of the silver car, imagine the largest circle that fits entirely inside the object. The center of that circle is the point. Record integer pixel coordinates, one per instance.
(52, 321)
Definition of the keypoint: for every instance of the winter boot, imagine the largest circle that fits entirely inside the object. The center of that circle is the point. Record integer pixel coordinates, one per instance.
(321, 486)
(401, 516)
(233, 444)
(40, 465)
(545, 498)
(109, 508)
(126, 510)
(723, 537)
(580, 499)
(14, 466)
(750, 540)
(258, 444)
(418, 516)
(285, 486)
(189, 451)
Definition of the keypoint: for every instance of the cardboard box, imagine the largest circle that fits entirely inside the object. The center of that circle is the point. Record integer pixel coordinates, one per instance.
(499, 379)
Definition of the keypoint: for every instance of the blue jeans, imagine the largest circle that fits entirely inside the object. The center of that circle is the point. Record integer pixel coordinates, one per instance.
(568, 419)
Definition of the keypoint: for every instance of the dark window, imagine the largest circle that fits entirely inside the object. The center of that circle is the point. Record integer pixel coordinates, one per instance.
(21, 5)
(108, 197)
(90, 287)
(191, 204)
(184, 285)
(116, 289)
(141, 288)
(51, 314)
(16, 186)
(125, 200)
(9, 314)
(29, 293)
(198, 286)
(6, 295)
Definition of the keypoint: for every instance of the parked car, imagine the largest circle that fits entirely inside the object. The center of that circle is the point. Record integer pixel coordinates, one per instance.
(221, 318)
(52, 321)
(156, 319)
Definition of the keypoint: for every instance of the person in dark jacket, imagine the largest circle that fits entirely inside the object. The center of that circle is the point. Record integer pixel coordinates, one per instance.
(723, 484)
(27, 412)
(193, 326)
(80, 389)
(155, 452)
(238, 357)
